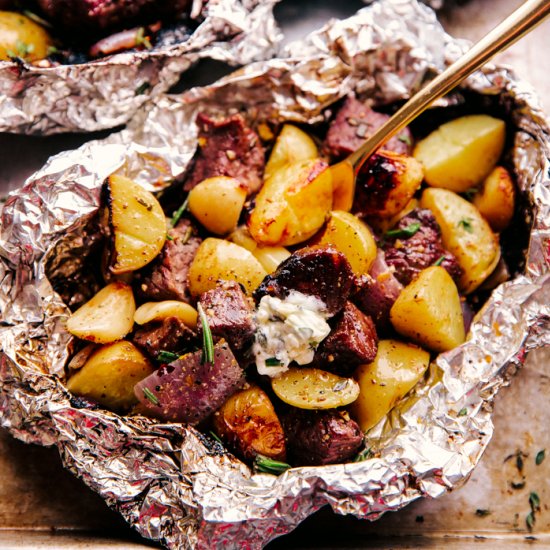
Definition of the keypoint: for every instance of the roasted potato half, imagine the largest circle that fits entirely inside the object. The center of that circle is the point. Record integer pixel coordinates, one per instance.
(396, 369)
(218, 259)
(136, 223)
(293, 204)
(466, 234)
(248, 423)
(21, 37)
(462, 152)
(107, 317)
(157, 311)
(428, 311)
(110, 374)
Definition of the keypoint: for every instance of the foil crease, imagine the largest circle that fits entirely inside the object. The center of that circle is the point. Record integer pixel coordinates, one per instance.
(105, 93)
(169, 481)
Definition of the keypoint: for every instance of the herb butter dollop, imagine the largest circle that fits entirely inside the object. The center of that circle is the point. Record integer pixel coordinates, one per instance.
(289, 329)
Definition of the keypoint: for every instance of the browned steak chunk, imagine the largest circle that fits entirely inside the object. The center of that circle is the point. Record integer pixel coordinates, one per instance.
(315, 438)
(377, 292)
(190, 390)
(170, 334)
(165, 278)
(354, 123)
(415, 244)
(230, 314)
(321, 272)
(352, 341)
(227, 147)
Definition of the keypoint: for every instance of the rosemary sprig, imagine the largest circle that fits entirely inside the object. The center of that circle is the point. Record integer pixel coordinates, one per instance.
(407, 232)
(148, 394)
(270, 466)
(179, 212)
(207, 341)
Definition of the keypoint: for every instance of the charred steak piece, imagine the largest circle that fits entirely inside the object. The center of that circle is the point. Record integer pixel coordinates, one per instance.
(377, 292)
(354, 123)
(170, 334)
(227, 147)
(351, 342)
(322, 272)
(165, 278)
(410, 251)
(315, 438)
(230, 314)
(190, 390)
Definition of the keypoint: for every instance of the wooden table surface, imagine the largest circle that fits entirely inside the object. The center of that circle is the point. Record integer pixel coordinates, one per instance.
(43, 506)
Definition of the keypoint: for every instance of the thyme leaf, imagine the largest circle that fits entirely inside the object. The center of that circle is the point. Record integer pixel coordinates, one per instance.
(540, 457)
(207, 341)
(167, 356)
(463, 412)
(439, 260)
(530, 521)
(407, 232)
(534, 501)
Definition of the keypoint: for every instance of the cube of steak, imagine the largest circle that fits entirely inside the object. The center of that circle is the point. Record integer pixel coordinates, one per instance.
(227, 147)
(409, 255)
(190, 390)
(377, 292)
(170, 334)
(165, 278)
(322, 272)
(354, 123)
(315, 438)
(351, 342)
(230, 314)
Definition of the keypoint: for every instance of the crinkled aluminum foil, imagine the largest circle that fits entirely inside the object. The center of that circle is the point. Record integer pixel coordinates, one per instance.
(106, 93)
(168, 481)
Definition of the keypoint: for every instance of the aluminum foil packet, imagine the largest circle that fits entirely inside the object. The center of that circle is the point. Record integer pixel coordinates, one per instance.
(105, 93)
(174, 484)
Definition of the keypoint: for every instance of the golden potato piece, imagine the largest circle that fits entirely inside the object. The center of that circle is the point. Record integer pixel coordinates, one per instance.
(107, 317)
(217, 203)
(466, 234)
(343, 185)
(156, 311)
(110, 374)
(462, 152)
(293, 204)
(428, 311)
(218, 259)
(21, 37)
(349, 235)
(308, 388)
(496, 200)
(292, 145)
(136, 222)
(396, 369)
(248, 423)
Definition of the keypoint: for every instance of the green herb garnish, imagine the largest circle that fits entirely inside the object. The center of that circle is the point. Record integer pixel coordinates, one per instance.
(142, 39)
(169, 238)
(167, 356)
(142, 88)
(463, 412)
(37, 19)
(179, 212)
(273, 362)
(22, 50)
(207, 341)
(466, 224)
(363, 455)
(483, 512)
(148, 394)
(407, 232)
(52, 50)
(439, 260)
(534, 501)
(215, 436)
(540, 457)
(530, 520)
(270, 466)
(404, 138)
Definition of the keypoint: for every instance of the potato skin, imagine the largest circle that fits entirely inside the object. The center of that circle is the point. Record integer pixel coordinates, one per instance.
(248, 423)
(394, 372)
(496, 200)
(22, 37)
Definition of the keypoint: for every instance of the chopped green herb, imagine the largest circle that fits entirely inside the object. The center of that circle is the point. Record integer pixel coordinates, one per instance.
(439, 260)
(470, 192)
(273, 362)
(540, 457)
(167, 356)
(404, 138)
(207, 341)
(169, 238)
(463, 412)
(339, 386)
(534, 501)
(52, 50)
(530, 521)
(142, 88)
(179, 212)
(407, 232)
(466, 224)
(142, 39)
(148, 394)
(363, 455)
(22, 49)
(483, 512)
(270, 466)
(37, 19)
(215, 436)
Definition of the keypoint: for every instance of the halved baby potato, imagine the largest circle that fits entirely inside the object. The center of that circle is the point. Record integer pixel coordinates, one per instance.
(107, 317)
(462, 152)
(292, 145)
(156, 311)
(293, 204)
(396, 369)
(219, 259)
(309, 388)
(428, 311)
(136, 222)
(21, 37)
(110, 374)
(465, 233)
